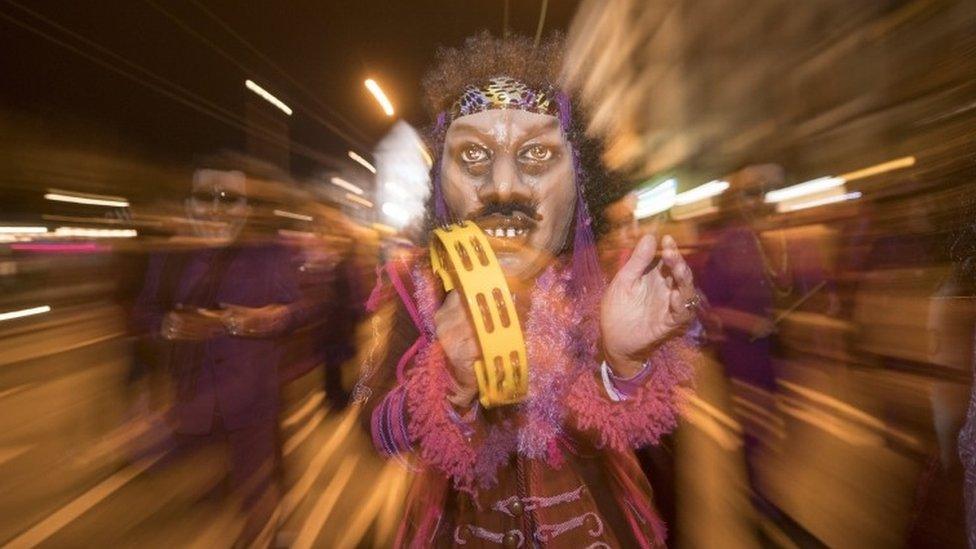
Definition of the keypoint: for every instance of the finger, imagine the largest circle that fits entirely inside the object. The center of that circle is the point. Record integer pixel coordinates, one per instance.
(680, 313)
(676, 302)
(681, 274)
(639, 260)
(453, 299)
(446, 311)
(676, 308)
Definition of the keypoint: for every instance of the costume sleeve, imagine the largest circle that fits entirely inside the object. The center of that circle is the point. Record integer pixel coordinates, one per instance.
(379, 391)
(637, 411)
(406, 401)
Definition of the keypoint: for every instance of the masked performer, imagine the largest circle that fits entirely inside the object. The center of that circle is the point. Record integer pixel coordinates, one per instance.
(606, 361)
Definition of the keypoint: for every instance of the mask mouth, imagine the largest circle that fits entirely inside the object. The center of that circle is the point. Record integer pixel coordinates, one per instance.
(514, 228)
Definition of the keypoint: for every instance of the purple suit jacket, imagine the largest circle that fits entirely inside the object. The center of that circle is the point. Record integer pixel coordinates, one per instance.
(230, 377)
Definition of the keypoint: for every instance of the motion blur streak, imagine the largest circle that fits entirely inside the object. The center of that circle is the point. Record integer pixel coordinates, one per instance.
(340, 182)
(381, 98)
(185, 262)
(842, 312)
(10, 315)
(362, 161)
(823, 201)
(109, 201)
(267, 96)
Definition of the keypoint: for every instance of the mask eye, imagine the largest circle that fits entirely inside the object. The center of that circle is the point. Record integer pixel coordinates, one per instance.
(537, 153)
(473, 154)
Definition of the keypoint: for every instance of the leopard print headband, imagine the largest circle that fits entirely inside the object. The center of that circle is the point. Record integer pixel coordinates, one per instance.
(503, 92)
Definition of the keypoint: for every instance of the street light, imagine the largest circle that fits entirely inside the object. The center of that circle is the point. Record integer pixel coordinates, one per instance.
(377, 92)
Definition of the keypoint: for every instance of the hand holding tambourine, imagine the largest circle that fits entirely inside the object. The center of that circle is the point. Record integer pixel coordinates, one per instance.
(460, 345)
(478, 326)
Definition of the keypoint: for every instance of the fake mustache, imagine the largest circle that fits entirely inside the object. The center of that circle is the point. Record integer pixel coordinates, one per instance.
(510, 208)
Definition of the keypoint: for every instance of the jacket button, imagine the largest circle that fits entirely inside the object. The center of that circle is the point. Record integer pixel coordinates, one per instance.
(511, 539)
(516, 508)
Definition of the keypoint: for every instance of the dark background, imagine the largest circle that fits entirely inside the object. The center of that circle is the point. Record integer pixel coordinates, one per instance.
(314, 55)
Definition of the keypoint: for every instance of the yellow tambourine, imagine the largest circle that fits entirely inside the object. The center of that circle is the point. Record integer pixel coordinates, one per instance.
(461, 256)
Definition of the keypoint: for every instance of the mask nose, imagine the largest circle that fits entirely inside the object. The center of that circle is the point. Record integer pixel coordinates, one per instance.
(506, 181)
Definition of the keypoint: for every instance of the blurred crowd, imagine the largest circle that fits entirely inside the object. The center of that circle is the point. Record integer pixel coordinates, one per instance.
(177, 333)
(179, 344)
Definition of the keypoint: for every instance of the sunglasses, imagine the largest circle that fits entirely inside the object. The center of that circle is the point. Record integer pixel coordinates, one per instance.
(224, 197)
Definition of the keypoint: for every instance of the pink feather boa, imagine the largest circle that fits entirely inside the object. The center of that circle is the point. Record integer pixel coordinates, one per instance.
(564, 391)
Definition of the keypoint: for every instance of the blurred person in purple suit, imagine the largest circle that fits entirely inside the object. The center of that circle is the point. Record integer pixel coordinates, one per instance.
(744, 278)
(214, 309)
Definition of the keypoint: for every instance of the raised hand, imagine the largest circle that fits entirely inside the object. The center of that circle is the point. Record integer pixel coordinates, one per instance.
(190, 325)
(645, 304)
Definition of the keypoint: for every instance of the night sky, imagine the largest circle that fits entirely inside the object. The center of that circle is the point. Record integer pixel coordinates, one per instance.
(314, 55)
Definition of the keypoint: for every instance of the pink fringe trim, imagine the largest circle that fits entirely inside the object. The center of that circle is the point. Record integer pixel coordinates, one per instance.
(469, 462)
(641, 420)
(439, 438)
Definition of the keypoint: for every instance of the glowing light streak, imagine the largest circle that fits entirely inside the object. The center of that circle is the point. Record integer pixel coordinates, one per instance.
(95, 233)
(423, 152)
(292, 215)
(358, 200)
(898, 163)
(821, 184)
(22, 230)
(340, 182)
(813, 186)
(656, 199)
(10, 315)
(267, 96)
(701, 192)
(58, 195)
(822, 201)
(295, 234)
(377, 92)
(362, 161)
